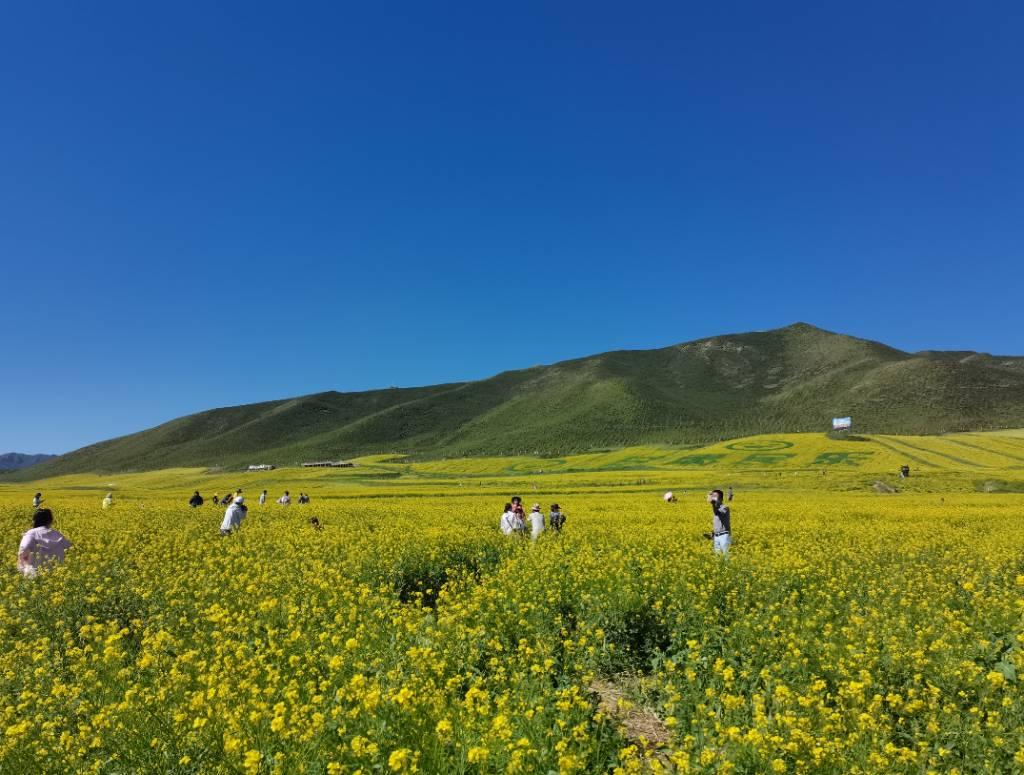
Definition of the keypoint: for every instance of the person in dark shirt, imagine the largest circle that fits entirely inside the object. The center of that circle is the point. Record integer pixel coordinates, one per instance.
(195, 500)
(721, 533)
(556, 518)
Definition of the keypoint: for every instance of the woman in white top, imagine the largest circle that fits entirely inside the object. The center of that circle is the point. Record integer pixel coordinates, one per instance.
(511, 523)
(234, 515)
(536, 521)
(41, 545)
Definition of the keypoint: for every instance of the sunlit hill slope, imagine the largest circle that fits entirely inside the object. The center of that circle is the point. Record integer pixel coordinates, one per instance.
(791, 379)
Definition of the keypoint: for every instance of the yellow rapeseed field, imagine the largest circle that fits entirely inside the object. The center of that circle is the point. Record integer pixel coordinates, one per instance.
(848, 631)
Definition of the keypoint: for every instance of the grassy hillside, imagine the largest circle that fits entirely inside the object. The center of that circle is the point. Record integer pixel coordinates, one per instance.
(786, 380)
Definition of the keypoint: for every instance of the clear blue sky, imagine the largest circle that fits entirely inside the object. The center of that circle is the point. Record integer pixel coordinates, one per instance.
(205, 204)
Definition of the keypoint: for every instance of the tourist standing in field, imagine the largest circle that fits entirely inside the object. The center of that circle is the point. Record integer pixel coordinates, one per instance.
(196, 500)
(556, 518)
(517, 507)
(233, 516)
(720, 533)
(536, 521)
(285, 499)
(216, 499)
(41, 545)
(37, 500)
(511, 523)
(730, 494)
(263, 498)
(108, 501)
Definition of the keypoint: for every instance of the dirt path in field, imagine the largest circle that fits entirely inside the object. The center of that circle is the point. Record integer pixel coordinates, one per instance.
(638, 725)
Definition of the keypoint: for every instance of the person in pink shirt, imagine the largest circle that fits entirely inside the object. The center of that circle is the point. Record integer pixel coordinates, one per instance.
(41, 545)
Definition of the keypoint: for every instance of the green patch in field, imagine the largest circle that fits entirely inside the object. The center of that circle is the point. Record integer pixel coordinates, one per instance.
(764, 445)
(697, 460)
(841, 458)
(533, 466)
(766, 458)
(998, 485)
(629, 463)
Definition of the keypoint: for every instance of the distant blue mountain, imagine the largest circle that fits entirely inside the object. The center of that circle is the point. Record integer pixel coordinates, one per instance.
(12, 461)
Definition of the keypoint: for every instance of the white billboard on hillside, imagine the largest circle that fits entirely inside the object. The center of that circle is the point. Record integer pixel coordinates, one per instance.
(842, 423)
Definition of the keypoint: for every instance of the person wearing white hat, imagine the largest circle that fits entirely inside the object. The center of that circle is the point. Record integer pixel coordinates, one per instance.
(669, 497)
(233, 516)
(536, 521)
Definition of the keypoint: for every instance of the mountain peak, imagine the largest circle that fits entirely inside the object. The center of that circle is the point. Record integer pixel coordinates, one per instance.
(801, 326)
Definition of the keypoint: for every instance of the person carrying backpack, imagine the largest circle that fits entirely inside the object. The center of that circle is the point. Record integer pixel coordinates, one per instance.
(556, 518)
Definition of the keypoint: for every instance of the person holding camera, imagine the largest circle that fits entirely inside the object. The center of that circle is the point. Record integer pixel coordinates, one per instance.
(233, 516)
(720, 534)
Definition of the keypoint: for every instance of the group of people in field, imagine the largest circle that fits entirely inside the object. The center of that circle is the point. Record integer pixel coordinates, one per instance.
(513, 519)
(197, 500)
(515, 522)
(43, 544)
(236, 509)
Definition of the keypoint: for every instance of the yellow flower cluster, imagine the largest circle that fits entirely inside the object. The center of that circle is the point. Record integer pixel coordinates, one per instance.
(846, 632)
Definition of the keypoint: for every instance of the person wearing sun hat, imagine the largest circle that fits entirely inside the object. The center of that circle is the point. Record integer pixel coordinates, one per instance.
(536, 521)
(556, 518)
(233, 516)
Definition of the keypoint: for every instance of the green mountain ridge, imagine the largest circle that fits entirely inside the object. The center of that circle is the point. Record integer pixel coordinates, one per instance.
(784, 380)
